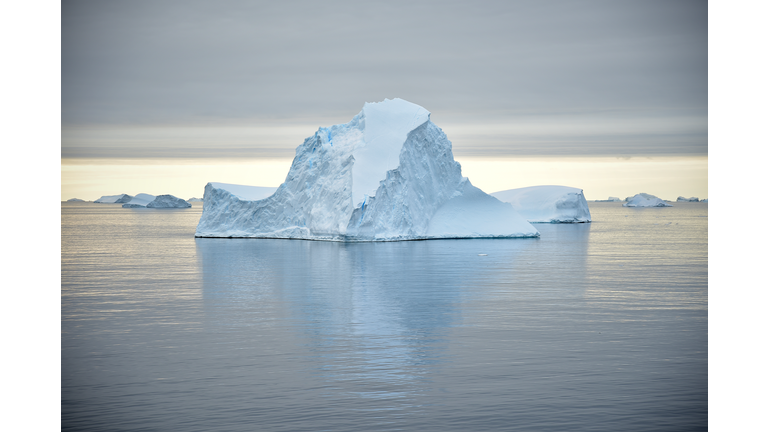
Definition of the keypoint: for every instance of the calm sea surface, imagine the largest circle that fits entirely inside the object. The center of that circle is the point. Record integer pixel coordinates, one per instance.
(592, 327)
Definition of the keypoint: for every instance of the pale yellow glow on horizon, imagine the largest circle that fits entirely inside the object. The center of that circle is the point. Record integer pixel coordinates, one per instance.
(600, 177)
(89, 179)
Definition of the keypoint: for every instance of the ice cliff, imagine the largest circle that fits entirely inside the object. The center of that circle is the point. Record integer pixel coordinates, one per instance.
(388, 174)
(645, 200)
(548, 204)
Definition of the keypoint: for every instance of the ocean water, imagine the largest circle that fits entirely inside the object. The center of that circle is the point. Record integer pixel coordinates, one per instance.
(592, 327)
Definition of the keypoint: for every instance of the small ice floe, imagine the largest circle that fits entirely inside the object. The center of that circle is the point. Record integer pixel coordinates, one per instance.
(482, 254)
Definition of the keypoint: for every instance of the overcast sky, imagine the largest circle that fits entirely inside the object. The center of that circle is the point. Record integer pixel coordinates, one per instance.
(247, 78)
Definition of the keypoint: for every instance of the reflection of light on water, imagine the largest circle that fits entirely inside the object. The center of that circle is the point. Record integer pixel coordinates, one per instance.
(638, 254)
(373, 318)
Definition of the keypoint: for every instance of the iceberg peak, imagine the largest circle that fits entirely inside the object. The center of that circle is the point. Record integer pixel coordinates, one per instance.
(387, 125)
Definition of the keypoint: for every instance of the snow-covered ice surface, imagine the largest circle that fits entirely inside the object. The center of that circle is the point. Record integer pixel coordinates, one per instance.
(645, 200)
(387, 175)
(140, 200)
(548, 204)
(168, 201)
(114, 199)
(684, 199)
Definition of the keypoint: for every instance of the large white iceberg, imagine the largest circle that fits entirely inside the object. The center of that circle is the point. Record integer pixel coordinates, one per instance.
(389, 174)
(114, 199)
(548, 204)
(645, 200)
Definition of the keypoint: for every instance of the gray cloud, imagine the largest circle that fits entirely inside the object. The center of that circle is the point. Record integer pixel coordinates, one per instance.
(154, 63)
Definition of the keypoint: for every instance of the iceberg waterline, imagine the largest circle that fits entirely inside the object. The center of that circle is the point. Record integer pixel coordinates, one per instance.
(387, 175)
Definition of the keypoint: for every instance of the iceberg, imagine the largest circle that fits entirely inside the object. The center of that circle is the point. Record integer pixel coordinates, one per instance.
(114, 199)
(548, 204)
(168, 201)
(140, 200)
(193, 199)
(143, 200)
(645, 200)
(75, 200)
(684, 199)
(387, 175)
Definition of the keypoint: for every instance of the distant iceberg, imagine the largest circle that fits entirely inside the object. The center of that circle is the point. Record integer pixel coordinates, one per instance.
(193, 199)
(168, 201)
(645, 200)
(140, 200)
(548, 204)
(75, 200)
(691, 199)
(387, 175)
(161, 201)
(114, 199)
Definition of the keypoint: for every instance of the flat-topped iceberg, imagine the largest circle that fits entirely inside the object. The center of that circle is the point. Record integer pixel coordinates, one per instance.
(645, 200)
(114, 199)
(684, 199)
(387, 175)
(548, 204)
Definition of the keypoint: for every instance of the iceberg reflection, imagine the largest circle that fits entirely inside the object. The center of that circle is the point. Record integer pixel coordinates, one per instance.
(376, 315)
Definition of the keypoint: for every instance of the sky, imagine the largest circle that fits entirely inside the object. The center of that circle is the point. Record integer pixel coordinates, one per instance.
(165, 96)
